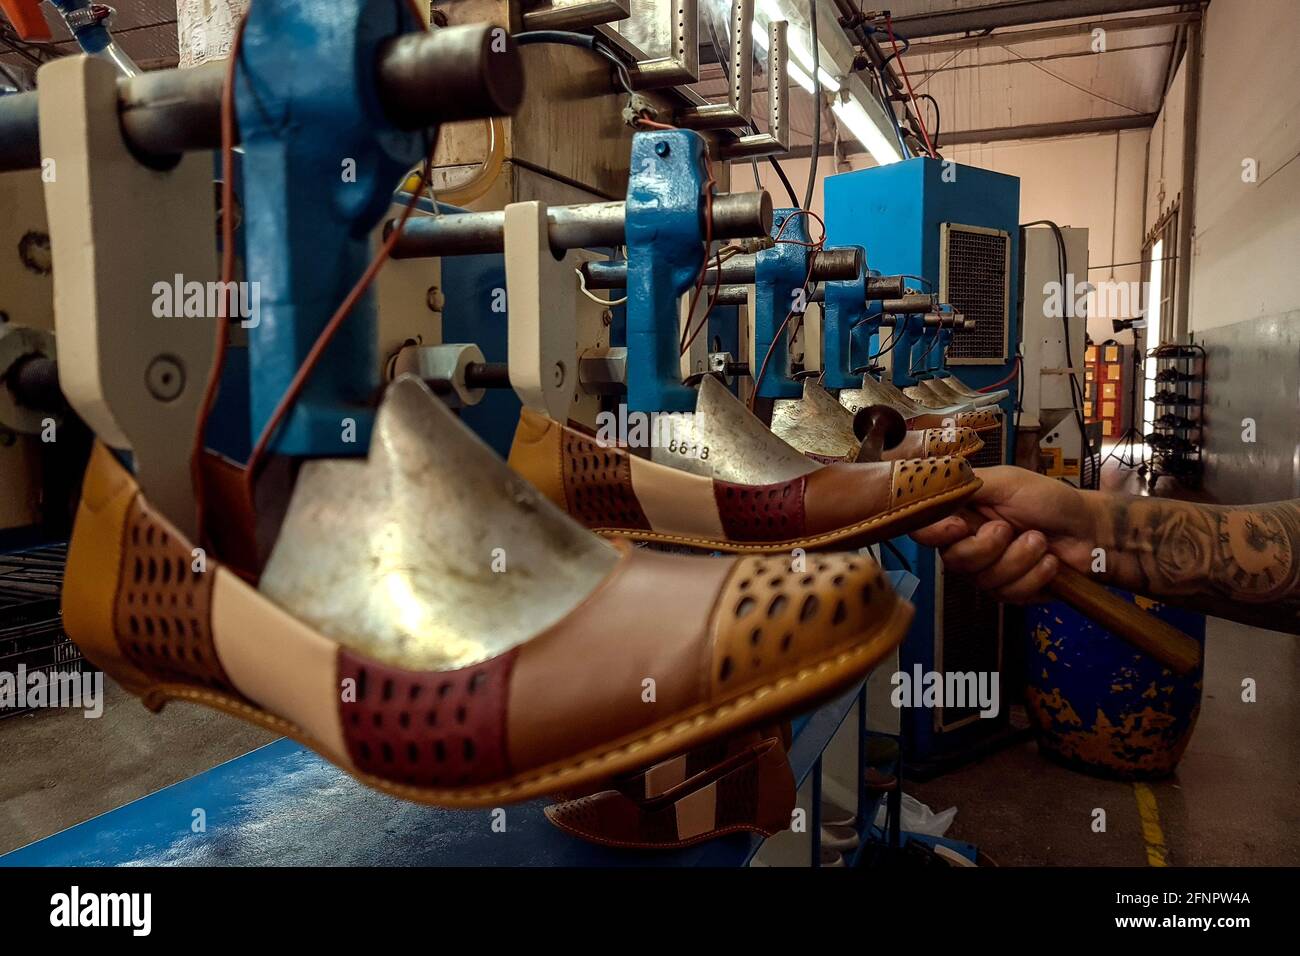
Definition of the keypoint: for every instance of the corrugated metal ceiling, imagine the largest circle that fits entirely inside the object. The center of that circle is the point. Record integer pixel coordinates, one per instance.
(1001, 83)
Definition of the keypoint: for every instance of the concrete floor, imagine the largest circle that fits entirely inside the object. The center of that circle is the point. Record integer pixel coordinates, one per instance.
(1234, 800)
(61, 768)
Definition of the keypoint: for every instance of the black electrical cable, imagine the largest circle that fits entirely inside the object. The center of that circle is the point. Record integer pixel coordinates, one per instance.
(898, 556)
(817, 108)
(583, 40)
(934, 136)
(1076, 390)
(785, 181)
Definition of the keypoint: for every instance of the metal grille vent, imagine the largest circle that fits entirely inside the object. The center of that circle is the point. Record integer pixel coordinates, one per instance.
(994, 450)
(970, 641)
(974, 273)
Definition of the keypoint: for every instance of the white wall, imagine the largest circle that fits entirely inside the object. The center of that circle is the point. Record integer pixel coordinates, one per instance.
(1246, 249)
(1093, 181)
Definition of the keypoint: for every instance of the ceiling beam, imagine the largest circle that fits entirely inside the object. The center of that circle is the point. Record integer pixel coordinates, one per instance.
(1073, 54)
(1105, 124)
(1011, 13)
(1052, 33)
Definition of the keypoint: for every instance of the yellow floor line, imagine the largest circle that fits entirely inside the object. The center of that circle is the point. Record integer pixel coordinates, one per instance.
(1153, 836)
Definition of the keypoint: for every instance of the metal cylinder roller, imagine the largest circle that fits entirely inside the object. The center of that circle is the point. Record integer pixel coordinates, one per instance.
(829, 265)
(583, 226)
(423, 78)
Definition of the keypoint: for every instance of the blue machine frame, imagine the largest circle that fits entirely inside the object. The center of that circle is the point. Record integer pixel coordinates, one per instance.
(897, 214)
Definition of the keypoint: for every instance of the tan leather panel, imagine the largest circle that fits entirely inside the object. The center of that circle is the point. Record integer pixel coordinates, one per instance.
(664, 776)
(163, 612)
(980, 420)
(923, 477)
(535, 454)
(697, 812)
(948, 441)
(676, 502)
(771, 618)
(278, 662)
(843, 494)
(580, 684)
(90, 580)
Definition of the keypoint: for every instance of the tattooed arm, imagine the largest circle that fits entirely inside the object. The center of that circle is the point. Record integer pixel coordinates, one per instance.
(1241, 563)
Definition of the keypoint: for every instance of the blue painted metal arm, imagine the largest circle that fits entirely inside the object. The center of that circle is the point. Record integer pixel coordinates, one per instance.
(665, 240)
(843, 307)
(779, 273)
(320, 163)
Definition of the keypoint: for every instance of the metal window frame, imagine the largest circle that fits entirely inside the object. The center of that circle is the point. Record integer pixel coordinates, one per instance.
(946, 230)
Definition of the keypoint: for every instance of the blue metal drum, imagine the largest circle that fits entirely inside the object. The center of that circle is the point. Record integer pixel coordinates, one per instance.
(1101, 706)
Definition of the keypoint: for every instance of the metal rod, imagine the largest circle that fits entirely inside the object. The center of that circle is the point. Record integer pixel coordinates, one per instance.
(991, 16)
(907, 304)
(423, 79)
(830, 264)
(584, 226)
(487, 375)
(35, 383)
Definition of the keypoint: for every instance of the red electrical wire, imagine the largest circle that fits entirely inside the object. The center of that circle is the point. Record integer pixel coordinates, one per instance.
(326, 335)
(925, 134)
(1015, 370)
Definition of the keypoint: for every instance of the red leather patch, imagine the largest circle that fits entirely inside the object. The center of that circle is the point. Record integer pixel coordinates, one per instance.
(761, 512)
(598, 485)
(427, 728)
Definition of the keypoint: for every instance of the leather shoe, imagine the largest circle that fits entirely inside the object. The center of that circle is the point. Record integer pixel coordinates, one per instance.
(431, 624)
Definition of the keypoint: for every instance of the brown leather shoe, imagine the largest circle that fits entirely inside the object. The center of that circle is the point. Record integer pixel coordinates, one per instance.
(783, 501)
(751, 791)
(820, 427)
(918, 416)
(431, 624)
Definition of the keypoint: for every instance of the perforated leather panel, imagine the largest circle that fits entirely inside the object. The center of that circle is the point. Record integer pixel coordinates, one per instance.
(761, 512)
(770, 614)
(426, 728)
(598, 485)
(162, 615)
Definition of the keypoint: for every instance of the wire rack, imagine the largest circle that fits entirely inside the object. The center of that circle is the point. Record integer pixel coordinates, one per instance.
(31, 625)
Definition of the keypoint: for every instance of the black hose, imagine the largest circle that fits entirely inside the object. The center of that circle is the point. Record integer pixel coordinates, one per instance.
(817, 108)
(785, 181)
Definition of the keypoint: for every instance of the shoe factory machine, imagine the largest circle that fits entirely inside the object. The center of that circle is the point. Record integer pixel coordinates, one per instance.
(547, 257)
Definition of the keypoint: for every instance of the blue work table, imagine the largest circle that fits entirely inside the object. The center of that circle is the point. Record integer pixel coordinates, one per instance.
(283, 805)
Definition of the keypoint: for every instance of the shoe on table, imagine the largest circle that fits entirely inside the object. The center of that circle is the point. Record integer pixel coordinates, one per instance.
(431, 624)
(735, 489)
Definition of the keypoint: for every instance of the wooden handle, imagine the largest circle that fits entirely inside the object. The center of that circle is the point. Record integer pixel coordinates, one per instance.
(1161, 640)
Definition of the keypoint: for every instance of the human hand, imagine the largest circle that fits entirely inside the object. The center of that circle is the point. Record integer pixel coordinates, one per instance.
(1035, 523)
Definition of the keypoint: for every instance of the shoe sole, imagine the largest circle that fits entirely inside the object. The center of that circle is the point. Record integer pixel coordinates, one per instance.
(890, 524)
(795, 692)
